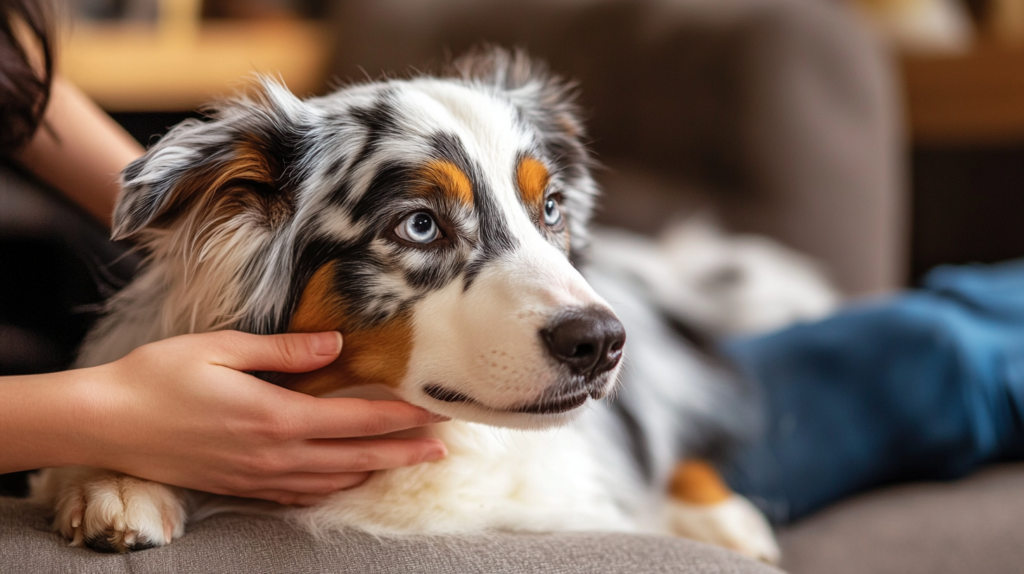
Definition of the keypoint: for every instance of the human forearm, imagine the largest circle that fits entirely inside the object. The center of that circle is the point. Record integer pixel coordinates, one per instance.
(182, 411)
(80, 150)
(43, 420)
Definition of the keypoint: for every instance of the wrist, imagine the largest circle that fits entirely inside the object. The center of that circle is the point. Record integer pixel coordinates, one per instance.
(86, 398)
(42, 420)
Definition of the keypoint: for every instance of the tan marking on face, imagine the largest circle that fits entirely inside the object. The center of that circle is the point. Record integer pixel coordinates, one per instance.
(320, 308)
(451, 180)
(697, 482)
(379, 355)
(532, 178)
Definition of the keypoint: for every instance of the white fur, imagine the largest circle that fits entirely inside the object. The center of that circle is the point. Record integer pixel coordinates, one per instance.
(733, 523)
(728, 284)
(492, 479)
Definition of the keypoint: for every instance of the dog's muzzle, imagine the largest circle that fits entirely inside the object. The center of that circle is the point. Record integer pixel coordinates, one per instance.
(587, 342)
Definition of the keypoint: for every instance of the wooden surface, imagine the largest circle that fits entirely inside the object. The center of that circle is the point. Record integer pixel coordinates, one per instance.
(145, 68)
(975, 98)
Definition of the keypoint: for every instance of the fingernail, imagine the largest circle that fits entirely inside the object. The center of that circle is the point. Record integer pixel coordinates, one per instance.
(436, 418)
(436, 454)
(327, 344)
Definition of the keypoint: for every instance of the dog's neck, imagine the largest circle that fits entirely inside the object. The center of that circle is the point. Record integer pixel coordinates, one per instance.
(368, 392)
(179, 292)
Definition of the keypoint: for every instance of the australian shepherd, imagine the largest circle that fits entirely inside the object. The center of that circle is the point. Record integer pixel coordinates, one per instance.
(439, 223)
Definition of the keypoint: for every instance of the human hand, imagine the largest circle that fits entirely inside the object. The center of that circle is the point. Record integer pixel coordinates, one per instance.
(180, 411)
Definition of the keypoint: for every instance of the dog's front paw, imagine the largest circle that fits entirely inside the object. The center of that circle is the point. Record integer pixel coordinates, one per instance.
(112, 512)
(734, 523)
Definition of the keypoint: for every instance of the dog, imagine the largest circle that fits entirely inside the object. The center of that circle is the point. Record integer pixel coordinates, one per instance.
(440, 224)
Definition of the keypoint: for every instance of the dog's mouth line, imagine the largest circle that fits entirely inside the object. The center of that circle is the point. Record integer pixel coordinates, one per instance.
(544, 407)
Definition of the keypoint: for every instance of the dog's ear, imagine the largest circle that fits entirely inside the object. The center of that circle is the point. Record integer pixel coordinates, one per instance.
(236, 164)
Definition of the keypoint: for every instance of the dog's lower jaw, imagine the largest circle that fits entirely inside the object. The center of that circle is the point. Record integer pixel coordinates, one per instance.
(546, 406)
(492, 479)
(545, 412)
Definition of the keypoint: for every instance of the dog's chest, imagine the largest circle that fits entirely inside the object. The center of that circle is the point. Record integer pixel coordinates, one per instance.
(493, 479)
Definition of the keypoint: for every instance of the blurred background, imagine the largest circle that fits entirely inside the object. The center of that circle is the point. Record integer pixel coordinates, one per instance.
(883, 137)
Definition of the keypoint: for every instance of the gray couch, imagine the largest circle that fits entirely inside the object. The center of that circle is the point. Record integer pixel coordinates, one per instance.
(779, 113)
(230, 544)
(972, 526)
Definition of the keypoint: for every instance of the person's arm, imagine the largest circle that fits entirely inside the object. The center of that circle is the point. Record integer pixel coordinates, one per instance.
(80, 150)
(182, 411)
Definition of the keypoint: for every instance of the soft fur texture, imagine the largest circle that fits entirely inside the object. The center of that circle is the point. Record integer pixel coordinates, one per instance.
(284, 215)
(723, 284)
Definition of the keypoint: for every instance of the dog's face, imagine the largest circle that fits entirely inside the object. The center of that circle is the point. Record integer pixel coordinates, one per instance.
(431, 221)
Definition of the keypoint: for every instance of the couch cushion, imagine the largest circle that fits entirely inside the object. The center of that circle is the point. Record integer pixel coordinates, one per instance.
(235, 543)
(972, 526)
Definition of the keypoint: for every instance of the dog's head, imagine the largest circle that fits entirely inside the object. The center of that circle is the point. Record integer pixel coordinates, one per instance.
(432, 221)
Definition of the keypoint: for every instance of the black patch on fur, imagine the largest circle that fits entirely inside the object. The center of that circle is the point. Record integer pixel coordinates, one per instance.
(698, 338)
(379, 120)
(337, 164)
(100, 543)
(637, 440)
(447, 146)
(494, 238)
(142, 544)
(134, 169)
(442, 394)
(388, 185)
(434, 276)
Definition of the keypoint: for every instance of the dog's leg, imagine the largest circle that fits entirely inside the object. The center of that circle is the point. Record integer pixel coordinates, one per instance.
(109, 511)
(703, 508)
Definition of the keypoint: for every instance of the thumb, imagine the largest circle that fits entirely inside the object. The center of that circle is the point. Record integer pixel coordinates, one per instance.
(285, 353)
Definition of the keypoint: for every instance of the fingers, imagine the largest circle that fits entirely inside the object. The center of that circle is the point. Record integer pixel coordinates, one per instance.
(284, 497)
(344, 418)
(285, 353)
(333, 456)
(308, 486)
(330, 466)
(313, 483)
(305, 488)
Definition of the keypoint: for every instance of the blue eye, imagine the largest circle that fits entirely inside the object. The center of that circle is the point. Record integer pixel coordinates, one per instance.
(552, 212)
(419, 227)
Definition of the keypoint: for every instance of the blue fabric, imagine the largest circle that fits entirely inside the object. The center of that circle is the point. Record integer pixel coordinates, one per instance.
(925, 385)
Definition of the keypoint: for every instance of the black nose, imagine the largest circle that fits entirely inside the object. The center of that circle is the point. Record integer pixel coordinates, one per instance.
(589, 341)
